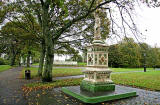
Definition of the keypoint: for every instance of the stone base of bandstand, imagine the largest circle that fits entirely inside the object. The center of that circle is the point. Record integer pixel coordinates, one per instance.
(97, 87)
(101, 87)
(97, 80)
(97, 97)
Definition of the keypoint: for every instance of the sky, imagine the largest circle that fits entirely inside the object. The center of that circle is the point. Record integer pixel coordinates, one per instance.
(148, 22)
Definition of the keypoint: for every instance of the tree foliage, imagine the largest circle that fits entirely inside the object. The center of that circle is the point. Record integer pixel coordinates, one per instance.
(131, 54)
(15, 41)
(60, 26)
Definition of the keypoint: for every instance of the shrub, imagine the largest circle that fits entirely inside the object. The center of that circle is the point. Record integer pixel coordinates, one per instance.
(7, 62)
(2, 61)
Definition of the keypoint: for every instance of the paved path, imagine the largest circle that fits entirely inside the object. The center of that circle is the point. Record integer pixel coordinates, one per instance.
(57, 97)
(144, 97)
(10, 87)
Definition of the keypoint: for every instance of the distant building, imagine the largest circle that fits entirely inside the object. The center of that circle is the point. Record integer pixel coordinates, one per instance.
(2, 55)
(61, 59)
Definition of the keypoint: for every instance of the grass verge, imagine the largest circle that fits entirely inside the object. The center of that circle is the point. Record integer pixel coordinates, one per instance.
(81, 64)
(4, 67)
(35, 64)
(129, 69)
(147, 80)
(56, 72)
(60, 72)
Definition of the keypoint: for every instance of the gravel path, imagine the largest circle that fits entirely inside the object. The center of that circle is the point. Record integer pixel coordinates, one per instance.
(10, 87)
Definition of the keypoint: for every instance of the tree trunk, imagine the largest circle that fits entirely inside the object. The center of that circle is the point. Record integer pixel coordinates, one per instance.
(13, 56)
(28, 58)
(47, 74)
(41, 62)
(24, 60)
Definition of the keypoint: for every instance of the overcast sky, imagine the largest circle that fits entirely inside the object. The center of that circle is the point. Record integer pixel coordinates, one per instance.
(149, 18)
(148, 23)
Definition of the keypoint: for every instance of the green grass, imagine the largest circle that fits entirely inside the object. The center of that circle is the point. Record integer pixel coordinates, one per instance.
(60, 72)
(35, 64)
(4, 67)
(57, 83)
(82, 64)
(129, 69)
(148, 80)
(56, 72)
(78, 64)
(145, 80)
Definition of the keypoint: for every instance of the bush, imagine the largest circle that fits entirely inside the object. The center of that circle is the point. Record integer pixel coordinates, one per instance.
(156, 66)
(2, 61)
(7, 62)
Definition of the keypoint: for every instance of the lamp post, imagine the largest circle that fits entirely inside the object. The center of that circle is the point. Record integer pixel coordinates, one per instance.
(144, 62)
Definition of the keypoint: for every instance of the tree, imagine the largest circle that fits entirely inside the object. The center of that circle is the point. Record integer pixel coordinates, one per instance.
(125, 54)
(60, 19)
(131, 53)
(152, 55)
(2, 12)
(115, 56)
(128, 53)
(16, 41)
(60, 11)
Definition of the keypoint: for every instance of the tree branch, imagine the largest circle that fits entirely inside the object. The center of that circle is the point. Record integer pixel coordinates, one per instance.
(67, 25)
(42, 2)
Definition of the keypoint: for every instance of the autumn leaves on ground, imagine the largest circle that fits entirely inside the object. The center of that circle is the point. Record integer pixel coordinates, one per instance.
(148, 80)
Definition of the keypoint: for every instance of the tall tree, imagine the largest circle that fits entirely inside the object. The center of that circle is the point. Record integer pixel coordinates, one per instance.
(131, 53)
(16, 41)
(115, 56)
(60, 19)
(55, 18)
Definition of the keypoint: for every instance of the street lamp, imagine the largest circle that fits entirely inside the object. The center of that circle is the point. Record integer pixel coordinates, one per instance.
(144, 62)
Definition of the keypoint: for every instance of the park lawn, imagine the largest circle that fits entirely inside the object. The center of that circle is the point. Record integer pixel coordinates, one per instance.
(129, 69)
(79, 64)
(57, 83)
(35, 64)
(4, 67)
(148, 80)
(56, 72)
(60, 72)
(82, 64)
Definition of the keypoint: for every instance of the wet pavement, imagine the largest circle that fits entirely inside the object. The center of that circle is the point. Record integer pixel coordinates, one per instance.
(10, 87)
(57, 97)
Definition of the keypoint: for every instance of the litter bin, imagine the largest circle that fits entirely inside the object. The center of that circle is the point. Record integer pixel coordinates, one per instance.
(27, 74)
